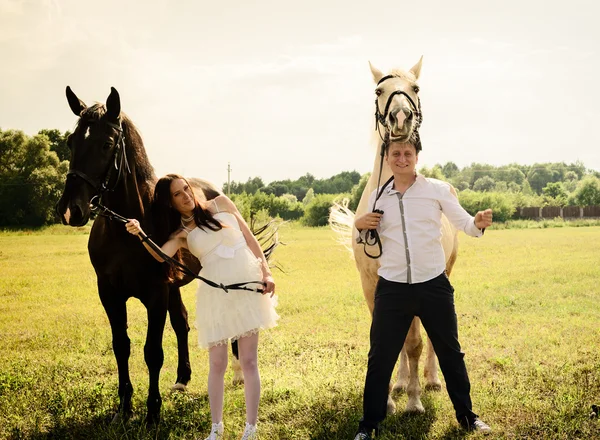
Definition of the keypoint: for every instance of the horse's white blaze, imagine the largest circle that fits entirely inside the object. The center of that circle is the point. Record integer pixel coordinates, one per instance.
(67, 215)
(342, 221)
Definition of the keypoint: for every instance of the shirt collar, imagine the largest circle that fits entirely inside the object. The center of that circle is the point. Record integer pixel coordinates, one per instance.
(389, 190)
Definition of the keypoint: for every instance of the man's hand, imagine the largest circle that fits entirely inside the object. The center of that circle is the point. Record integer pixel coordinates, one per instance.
(483, 219)
(368, 221)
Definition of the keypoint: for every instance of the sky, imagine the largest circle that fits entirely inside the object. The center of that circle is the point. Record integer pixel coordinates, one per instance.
(279, 89)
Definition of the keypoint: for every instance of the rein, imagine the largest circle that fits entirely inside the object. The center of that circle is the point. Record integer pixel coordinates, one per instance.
(96, 205)
(372, 236)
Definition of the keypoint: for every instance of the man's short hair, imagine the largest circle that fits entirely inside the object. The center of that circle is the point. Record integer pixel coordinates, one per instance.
(388, 143)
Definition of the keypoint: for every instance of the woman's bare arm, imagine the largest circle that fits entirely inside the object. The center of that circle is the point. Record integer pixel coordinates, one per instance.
(170, 248)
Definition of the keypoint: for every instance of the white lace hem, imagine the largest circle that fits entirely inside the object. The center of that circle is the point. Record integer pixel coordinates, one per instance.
(234, 338)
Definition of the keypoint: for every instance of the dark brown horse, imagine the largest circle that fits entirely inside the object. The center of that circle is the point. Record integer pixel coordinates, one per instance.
(108, 160)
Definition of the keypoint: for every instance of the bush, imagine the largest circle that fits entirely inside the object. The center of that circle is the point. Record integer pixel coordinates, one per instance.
(502, 204)
(356, 193)
(316, 212)
(283, 206)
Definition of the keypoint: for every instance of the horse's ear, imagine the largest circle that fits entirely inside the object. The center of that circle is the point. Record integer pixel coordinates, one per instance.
(76, 104)
(416, 69)
(377, 75)
(113, 105)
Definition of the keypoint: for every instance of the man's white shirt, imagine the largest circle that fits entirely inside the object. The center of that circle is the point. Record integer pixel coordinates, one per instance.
(411, 229)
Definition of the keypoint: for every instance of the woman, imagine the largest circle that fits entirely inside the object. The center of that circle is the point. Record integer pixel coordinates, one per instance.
(218, 236)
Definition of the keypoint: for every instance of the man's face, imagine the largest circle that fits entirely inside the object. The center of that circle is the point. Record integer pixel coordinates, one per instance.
(402, 158)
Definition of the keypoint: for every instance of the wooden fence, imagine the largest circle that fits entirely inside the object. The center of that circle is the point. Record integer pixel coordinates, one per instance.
(567, 212)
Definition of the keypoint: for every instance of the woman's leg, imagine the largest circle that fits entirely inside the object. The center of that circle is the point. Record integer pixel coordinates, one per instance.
(217, 356)
(248, 347)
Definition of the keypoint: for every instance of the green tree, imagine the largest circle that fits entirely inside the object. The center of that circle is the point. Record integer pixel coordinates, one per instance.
(434, 172)
(357, 190)
(588, 191)
(484, 184)
(450, 169)
(310, 195)
(31, 179)
(555, 190)
(58, 142)
(316, 212)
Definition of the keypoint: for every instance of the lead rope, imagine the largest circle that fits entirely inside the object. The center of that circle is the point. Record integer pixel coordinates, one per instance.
(111, 215)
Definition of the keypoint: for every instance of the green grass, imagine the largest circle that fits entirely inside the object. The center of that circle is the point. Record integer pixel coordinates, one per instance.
(527, 302)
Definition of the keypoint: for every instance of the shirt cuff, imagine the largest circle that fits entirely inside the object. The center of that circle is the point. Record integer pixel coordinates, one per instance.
(473, 230)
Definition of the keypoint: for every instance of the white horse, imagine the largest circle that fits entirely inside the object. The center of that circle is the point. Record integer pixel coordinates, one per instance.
(397, 117)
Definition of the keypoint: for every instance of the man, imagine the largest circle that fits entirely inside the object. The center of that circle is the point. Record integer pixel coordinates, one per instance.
(412, 282)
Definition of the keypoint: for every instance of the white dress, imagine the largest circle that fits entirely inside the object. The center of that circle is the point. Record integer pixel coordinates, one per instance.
(226, 259)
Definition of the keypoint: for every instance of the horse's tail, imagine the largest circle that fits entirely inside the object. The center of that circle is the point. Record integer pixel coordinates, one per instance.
(341, 220)
(266, 232)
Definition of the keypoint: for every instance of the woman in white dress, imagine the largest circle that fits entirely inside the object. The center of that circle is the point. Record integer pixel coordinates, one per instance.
(218, 236)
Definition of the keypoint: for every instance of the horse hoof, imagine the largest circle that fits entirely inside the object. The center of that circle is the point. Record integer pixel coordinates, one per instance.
(398, 389)
(179, 387)
(237, 381)
(416, 408)
(120, 418)
(152, 421)
(391, 406)
(433, 387)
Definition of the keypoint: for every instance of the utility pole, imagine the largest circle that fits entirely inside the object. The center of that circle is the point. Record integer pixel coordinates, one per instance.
(228, 179)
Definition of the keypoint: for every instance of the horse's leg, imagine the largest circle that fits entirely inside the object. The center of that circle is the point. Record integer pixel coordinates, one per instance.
(414, 347)
(116, 311)
(432, 380)
(179, 321)
(402, 376)
(238, 374)
(153, 351)
(369, 284)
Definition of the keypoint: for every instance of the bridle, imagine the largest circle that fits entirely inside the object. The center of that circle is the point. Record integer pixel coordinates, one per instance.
(120, 163)
(372, 236)
(380, 118)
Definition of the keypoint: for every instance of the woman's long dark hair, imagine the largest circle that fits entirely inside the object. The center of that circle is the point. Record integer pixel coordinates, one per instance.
(167, 220)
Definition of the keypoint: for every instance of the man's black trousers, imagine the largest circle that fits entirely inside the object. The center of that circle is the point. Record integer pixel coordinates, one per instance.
(396, 304)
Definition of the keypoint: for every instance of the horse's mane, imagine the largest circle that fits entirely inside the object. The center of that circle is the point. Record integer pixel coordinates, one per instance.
(133, 140)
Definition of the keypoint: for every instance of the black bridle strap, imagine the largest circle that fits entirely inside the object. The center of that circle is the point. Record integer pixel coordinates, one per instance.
(111, 215)
(118, 161)
(380, 118)
(372, 236)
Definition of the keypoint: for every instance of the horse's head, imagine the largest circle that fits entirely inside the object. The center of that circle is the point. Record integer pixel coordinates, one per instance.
(96, 156)
(398, 109)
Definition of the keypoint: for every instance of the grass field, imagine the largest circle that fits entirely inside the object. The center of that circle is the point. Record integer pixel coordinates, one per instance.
(529, 314)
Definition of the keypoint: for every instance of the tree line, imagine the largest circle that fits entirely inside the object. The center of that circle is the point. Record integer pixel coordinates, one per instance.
(33, 171)
(32, 176)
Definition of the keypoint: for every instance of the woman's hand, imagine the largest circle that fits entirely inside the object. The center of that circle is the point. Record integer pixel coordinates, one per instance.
(269, 285)
(133, 227)
(369, 220)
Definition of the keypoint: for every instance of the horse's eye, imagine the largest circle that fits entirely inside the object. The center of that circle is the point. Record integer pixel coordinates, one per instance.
(378, 92)
(107, 145)
(416, 89)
